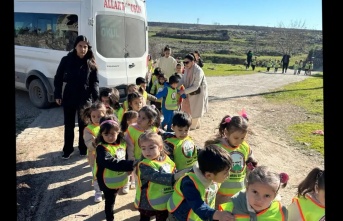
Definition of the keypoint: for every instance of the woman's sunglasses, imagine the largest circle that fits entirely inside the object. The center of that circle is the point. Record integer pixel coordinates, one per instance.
(185, 62)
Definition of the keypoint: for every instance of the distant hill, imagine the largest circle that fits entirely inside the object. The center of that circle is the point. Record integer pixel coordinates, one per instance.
(217, 42)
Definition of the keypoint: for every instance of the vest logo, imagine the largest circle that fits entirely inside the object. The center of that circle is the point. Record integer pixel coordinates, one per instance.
(160, 89)
(167, 168)
(173, 95)
(188, 148)
(120, 153)
(238, 162)
(210, 194)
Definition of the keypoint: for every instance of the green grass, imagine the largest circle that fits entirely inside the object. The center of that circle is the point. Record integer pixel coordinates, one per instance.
(212, 69)
(307, 94)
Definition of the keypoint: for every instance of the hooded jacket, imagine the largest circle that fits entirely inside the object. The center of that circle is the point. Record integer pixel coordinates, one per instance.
(82, 83)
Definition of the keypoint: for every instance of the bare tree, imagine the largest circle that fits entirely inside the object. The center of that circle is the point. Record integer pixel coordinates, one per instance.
(290, 39)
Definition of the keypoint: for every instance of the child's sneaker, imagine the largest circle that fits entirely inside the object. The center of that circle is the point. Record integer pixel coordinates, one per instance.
(98, 197)
(126, 188)
(133, 186)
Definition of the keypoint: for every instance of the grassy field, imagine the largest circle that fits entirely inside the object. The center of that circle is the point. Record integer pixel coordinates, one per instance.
(307, 94)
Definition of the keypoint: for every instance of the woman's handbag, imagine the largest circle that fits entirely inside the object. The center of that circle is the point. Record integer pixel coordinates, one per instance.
(197, 91)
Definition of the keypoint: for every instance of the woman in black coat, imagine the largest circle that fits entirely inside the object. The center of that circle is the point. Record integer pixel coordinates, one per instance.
(79, 71)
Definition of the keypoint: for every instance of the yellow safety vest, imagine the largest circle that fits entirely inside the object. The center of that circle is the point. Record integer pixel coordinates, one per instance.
(171, 99)
(273, 213)
(114, 179)
(94, 130)
(134, 133)
(309, 209)
(119, 113)
(208, 195)
(157, 194)
(184, 152)
(159, 88)
(235, 182)
(125, 106)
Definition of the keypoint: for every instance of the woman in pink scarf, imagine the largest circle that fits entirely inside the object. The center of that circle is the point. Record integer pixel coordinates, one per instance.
(196, 104)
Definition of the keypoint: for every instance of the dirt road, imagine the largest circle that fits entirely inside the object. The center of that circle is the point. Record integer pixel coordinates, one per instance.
(49, 188)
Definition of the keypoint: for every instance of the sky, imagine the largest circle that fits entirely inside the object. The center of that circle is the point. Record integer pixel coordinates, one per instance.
(270, 13)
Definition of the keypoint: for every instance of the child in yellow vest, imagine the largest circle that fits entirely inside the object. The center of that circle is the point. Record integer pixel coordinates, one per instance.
(156, 177)
(295, 67)
(154, 78)
(301, 65)
(231, 137)
(195, 192)
(130, 89)
(170, 102)
(141, 85)
(269, 64)
(149, 117)
(135, 101)
(110, 97)
(258, 201)
(91, 116)
(157, 87)
(111, 166)
(309, 204)
(276, 65)
(129, 118)
(181, 147)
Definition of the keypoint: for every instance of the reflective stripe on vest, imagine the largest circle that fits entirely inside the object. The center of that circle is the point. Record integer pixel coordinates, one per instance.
(171, 99)
(185, 153)
(235, 182)
(310, 209)
(157, 194)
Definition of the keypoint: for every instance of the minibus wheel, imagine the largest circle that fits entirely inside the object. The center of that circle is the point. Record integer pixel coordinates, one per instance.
(38, 94)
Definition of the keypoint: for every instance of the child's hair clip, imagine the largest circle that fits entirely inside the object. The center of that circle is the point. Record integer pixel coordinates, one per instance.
(243, 113)
(284, 177)
(227, 120)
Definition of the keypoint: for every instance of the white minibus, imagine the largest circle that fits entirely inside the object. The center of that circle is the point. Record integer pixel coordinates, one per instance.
(45, 31)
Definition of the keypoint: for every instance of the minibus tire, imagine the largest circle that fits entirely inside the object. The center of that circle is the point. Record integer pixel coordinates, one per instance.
(38, 94)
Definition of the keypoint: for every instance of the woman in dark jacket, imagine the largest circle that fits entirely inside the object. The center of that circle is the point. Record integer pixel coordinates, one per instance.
(79, 71)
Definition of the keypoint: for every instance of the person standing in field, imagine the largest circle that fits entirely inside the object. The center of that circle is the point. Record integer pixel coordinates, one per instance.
(249, 59)
(198, 59)
(167, 63)
(301, 64)
(79, 71)
(253, 63)
(285, 62)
